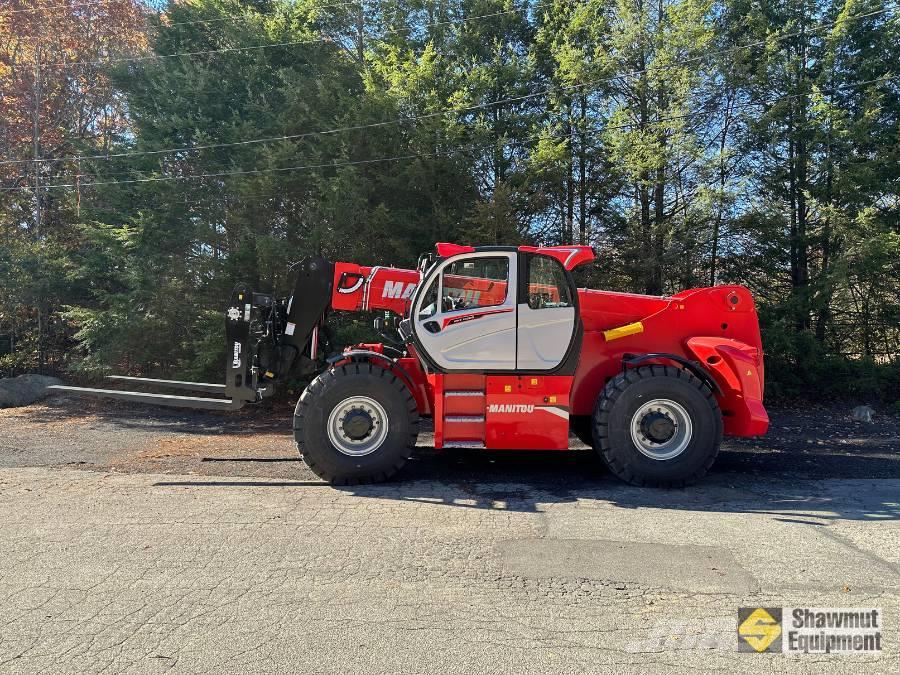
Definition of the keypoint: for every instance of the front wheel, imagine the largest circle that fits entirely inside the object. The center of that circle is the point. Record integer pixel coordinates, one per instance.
(356, 423)
(657, 425)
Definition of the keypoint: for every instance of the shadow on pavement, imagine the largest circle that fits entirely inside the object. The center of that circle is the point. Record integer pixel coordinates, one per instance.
(251, 459)
(798, 472)
(239, 483)
(527, 481)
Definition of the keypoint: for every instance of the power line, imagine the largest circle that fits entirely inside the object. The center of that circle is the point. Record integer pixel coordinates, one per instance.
(458, 109)
(271, 45)
(672, 118)
(449, 151)
(242, 172)
(249, 172)
(458, 149)
(229, 17)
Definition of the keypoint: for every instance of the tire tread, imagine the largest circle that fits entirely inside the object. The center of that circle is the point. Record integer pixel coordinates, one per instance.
(319, 387)
(607, 399)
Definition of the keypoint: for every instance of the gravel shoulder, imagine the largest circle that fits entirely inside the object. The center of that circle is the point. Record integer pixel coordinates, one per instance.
(817, 442)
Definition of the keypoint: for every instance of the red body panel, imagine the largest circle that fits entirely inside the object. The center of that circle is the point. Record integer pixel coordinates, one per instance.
(409, 369)
(527, 412)
(358, 288)
(570, 256)
(716, 326)
(738, 370)
(502, 412)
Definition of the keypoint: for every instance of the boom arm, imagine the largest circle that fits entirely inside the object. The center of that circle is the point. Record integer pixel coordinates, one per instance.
(359, 289)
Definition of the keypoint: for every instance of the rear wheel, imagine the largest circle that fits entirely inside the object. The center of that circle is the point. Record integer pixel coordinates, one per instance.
(356, 423)
(657, 425)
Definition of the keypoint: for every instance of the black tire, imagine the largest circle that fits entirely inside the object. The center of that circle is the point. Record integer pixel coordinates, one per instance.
(617, 407)
(335, 386)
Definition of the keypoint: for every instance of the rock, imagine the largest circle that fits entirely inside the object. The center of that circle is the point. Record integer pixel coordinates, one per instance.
(863, 413)
(24, 389)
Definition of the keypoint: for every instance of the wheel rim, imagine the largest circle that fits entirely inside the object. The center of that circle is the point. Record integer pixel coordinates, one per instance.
(357, 426)
(661, 429)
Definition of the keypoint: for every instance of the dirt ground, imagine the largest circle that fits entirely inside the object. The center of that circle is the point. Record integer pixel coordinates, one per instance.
(813, 442)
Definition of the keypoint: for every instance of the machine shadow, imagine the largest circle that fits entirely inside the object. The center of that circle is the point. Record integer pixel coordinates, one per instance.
(744, 480)
(797, 473)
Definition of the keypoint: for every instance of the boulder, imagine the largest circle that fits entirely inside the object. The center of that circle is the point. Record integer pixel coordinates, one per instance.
(863, 413)
(24, 389)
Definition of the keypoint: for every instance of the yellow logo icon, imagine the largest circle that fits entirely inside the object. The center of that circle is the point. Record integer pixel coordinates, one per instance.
(759, 628)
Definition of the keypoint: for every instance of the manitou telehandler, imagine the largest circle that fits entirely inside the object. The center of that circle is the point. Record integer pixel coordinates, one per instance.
(502, 351)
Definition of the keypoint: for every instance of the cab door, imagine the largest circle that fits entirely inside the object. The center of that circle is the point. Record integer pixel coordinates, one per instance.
(465, 318)
(547, 314)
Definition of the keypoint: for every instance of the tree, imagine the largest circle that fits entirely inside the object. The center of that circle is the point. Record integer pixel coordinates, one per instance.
(569, 159)
(56, 103)
(656, 128)
(820, 129)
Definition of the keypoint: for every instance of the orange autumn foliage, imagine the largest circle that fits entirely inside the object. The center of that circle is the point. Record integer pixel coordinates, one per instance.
(77, 106)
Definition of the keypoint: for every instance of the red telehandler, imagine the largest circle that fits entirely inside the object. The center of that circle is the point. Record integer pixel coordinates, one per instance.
(502, 351)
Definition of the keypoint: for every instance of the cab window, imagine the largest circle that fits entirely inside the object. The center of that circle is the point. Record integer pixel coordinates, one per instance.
(429, 301)
(474, 283)
(547, 283)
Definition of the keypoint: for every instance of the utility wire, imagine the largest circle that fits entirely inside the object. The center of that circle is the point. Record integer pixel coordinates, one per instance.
(538, 135)
(458, 109)
(449, 151)
(354, 3)
(250, 172)
(605, 128)
(661, 120)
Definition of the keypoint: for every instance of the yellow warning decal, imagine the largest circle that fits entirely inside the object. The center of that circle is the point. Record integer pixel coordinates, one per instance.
(623, 331)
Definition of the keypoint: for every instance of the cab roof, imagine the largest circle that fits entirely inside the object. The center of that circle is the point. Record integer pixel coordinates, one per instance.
(570, 256)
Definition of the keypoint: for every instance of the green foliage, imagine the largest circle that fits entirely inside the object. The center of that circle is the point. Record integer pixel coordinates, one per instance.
(691, 142)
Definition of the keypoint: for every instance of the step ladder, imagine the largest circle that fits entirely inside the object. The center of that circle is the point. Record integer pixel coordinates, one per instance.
(460, 422)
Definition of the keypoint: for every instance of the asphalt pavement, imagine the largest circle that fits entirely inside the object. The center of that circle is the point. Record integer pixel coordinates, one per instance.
(142, 540)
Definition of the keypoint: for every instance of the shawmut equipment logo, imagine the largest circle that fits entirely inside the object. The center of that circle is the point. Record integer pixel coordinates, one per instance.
(759, 629)
(809, 630)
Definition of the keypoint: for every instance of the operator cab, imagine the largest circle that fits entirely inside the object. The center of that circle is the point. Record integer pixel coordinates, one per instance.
(498, 309)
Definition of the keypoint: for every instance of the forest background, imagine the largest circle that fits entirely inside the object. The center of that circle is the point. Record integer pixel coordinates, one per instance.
(152, 154)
